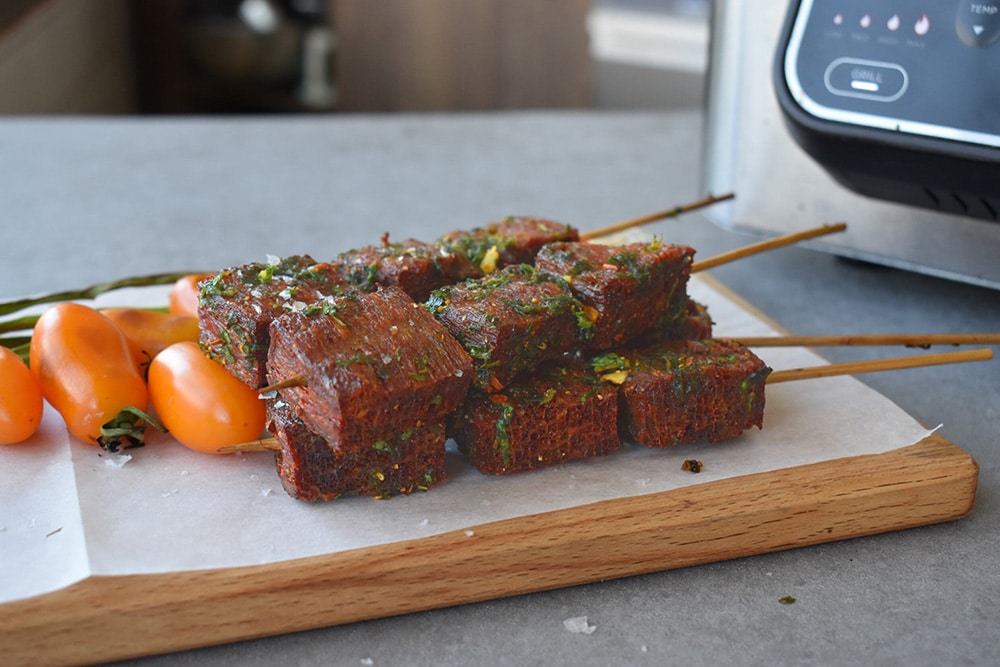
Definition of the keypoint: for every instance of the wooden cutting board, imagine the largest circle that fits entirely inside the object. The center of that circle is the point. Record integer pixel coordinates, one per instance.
(930, 482)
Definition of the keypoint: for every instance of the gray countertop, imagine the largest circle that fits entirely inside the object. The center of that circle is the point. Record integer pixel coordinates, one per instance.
(85, 200)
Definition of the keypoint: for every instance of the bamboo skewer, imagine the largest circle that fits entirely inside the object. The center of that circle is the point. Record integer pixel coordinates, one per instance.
(896, 363)
(906, 340)
(262, 445)
(653, 217)
(294, 381)
(770, 244)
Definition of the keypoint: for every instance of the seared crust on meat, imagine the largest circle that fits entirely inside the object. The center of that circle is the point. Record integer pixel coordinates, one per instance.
(511, 321)
(371, 366)
(633, 289)
(513, 240)
(310, 468)
(559, 414)
(415, 267)
(686, 391)
(237, 305)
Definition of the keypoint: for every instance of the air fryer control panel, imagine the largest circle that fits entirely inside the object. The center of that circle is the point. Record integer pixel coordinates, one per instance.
(922, 67)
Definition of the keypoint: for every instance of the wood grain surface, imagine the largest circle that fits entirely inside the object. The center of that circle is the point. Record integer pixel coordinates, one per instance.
(930, 482)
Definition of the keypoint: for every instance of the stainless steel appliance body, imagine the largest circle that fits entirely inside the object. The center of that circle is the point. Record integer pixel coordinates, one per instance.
(779, 188)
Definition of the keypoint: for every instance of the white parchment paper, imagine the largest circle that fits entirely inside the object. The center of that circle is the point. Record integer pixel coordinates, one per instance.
(69, 511)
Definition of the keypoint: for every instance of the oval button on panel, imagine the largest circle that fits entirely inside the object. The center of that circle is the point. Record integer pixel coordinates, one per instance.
(867, 79)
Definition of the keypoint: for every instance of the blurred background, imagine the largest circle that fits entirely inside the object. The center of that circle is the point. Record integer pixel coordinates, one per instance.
(322, 56)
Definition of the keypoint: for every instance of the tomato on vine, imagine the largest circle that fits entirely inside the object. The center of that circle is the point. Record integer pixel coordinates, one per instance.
(200, 403)
(185, 293)
(149, 332)
(86, 372)
(21, 402)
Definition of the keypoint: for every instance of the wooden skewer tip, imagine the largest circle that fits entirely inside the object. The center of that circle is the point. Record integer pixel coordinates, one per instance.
(262, 445)
(896, 363)
(294, 381)
(905, 340)
(654, 217)
(769, 244)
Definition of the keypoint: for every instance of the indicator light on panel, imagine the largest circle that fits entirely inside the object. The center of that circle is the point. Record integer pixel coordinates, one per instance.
(922, 26)
(893, 23)
(866, 21)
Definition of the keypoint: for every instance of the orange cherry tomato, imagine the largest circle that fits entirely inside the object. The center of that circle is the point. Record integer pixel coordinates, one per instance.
(20, 399)
(149, 332)
(85, 368)
(185, 293)
(200, 403)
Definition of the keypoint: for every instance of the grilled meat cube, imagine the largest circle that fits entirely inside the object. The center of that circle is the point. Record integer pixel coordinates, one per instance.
(310, 468)
(372, 365)
(560, 414)
(633, 288)
(514, 240)
(237, 305)
(511, 321)
(415, 267)
(688, 391)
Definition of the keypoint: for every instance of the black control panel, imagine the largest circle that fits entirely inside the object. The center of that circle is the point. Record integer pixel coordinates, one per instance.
(911, 80)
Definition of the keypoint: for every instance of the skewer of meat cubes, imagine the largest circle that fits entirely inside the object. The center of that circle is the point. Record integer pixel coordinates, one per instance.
(514, 364)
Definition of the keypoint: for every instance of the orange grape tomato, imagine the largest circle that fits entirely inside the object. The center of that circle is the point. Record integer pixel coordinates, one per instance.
(185, 293)
(83, 363)
(149, 332)
(200, 403)
(20, 399)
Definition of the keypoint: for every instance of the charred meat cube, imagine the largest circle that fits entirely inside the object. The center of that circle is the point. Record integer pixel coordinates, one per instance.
(560, 414)
(514, 240)
(689, 391)
(370, 365)
(633, 288)
(415, 267)
(310, 468)
(511, 321)
(238, 304)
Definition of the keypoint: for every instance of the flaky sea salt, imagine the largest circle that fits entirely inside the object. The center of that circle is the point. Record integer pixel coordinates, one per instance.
(116, 460)
(579, 625)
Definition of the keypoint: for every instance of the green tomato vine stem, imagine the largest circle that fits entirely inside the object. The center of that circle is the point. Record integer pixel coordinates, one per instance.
(15, 305)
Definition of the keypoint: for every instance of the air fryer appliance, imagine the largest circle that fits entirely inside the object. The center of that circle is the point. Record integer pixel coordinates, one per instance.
(884, 114)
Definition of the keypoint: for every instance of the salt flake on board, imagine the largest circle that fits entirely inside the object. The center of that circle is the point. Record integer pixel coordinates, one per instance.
(579, 625)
